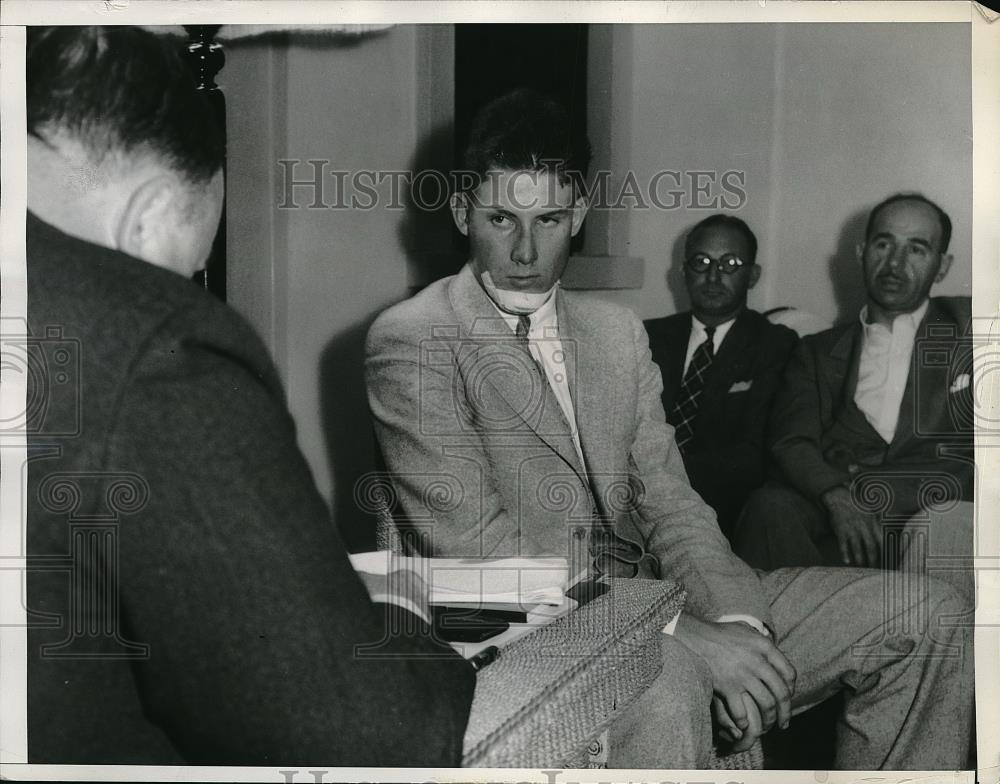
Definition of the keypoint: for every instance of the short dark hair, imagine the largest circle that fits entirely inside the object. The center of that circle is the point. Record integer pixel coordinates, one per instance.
(942, 216)
(121, 89)
(526, 131)
(723, 222)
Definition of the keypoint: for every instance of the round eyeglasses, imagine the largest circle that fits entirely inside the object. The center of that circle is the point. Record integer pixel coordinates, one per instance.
(701, 263)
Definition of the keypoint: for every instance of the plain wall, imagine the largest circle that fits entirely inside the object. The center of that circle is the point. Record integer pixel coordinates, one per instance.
(824, 120)
(311, 278)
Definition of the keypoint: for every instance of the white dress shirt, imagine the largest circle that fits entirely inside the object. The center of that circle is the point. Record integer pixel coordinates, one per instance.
(884, 367)
(698, 336)
(547, 350)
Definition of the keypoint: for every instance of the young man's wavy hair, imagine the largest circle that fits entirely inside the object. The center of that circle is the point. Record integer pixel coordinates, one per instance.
(526, 131)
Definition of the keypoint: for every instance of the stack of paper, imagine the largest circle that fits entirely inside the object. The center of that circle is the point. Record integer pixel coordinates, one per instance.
(518, 581)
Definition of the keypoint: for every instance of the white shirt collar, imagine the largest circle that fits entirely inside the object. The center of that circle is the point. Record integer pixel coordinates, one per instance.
(911, 320)
(698, 331)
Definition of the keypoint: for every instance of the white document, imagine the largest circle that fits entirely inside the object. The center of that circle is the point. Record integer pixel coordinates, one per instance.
(519, 581)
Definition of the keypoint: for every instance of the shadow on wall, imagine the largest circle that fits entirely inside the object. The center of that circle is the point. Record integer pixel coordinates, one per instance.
(427, 233)
(426, 236)
(675, 276)
(844, 270)
(842, 267)
(347, 430)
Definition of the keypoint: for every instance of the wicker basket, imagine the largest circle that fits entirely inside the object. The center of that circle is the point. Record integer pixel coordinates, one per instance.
(572, 677)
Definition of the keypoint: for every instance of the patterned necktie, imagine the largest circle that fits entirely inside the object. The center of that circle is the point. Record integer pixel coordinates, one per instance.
(686, 408)
(521, 333)
(523, 328)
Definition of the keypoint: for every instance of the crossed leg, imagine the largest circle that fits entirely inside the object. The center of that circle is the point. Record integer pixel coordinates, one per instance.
(670, 724)
(885, 639)
(941, 542)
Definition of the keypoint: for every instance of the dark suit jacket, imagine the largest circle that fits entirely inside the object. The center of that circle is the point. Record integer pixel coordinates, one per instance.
(725, 457)
(820, 439)
(164, 466)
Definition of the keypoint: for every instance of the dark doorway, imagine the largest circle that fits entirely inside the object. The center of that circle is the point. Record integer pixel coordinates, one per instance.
(492, 59)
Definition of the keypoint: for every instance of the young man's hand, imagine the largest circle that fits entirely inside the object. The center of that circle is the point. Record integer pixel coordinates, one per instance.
(741, 739)
(752, 680)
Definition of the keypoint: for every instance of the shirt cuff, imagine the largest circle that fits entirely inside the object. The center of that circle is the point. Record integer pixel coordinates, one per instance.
(669, 628)
(405, 604)
(749, 620)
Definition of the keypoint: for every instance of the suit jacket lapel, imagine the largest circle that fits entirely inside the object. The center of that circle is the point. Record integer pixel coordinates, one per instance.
(730, 362)
(487, 342)
(847, 350)
(904, 421)
(594, 378)
(907, 415)
(841, 366)
(672, 354)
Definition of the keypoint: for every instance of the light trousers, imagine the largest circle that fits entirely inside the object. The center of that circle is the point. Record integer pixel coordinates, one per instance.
(888, 640)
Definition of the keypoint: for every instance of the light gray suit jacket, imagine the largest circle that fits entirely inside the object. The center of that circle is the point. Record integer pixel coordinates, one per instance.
(482, 458)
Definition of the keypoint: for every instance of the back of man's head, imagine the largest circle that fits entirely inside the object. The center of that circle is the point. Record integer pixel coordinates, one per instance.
(525, 131)
(123, 150)
(120, 91)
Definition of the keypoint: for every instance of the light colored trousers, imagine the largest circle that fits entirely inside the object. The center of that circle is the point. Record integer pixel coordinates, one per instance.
(941, 543)
(895, 643)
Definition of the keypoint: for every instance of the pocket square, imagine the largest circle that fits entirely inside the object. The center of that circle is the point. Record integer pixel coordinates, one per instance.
(741, 386)
(960, 383)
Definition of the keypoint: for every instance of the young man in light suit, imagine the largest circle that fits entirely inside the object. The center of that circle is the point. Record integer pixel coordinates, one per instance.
(522, 419)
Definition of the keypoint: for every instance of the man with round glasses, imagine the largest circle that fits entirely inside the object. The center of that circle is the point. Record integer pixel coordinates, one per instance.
(721, 363)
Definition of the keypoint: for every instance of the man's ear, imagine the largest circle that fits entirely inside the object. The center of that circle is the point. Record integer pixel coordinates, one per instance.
(754, 275)
(460, 211)
(943, 267)
(580, 207)
(146, 224)
(859, 251)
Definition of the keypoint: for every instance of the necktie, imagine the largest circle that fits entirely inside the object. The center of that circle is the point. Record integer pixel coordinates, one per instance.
(521, 333)
(686, 408)
(523, 327)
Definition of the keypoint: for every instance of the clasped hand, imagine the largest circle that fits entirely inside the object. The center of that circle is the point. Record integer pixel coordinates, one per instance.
(752, 680)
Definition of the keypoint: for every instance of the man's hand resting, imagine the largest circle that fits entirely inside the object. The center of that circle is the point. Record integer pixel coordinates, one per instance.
(752, 680)
(858, 533)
